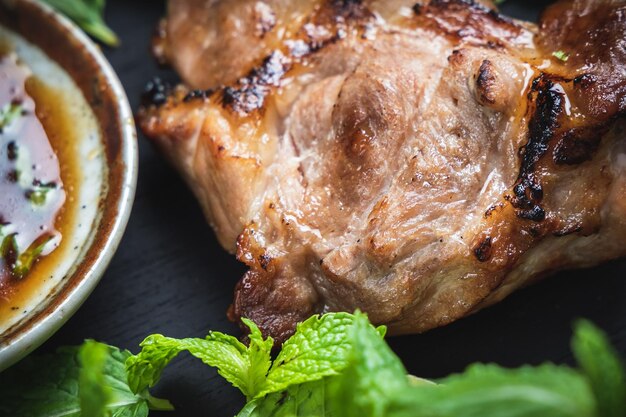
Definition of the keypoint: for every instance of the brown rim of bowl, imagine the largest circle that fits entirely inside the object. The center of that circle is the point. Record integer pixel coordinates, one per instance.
(66, 44)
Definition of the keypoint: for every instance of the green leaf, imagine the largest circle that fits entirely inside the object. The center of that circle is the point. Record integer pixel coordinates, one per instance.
(303, 400)
(144, 369)
(88, 15)
(374, 373)
(244, 367)
(93, 394)
(319, 348)
(41, 386)
(310, 364)
(602, 367)
(492, 391)
(90, 381)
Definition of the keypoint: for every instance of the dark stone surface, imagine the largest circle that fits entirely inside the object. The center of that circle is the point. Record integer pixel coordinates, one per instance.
(170, 276)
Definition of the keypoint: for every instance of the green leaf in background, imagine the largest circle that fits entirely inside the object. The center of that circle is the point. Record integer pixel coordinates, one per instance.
(93, 393)
(42, 385)
(492, 391)
(88, 15)
(88, 382)
(602, 367)
(373, 374)
(336, 365)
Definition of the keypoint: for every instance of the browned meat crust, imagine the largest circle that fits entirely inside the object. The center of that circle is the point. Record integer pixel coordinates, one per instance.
(417, 161)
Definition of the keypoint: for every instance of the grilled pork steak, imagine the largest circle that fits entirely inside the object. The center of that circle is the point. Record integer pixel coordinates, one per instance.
(418, 161)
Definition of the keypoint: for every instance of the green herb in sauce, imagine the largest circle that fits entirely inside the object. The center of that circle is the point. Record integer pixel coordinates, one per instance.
(25, 261)
(8, 114)
(31, 189)
(38, 194)
(562, 55)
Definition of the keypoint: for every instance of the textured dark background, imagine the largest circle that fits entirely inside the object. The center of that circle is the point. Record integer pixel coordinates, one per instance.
(170, 276)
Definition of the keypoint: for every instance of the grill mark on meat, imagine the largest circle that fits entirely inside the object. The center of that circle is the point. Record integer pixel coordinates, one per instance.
(543, 126)
(251, 91)
(585, 81)
(467, 20)
(331, 24)
(486, 82)
(264, 261)
(265, 18)
(198, 95)
(578, 145)
(489, 212)
(482, 250)
(350, 10)
(469, 6)
(155, 93)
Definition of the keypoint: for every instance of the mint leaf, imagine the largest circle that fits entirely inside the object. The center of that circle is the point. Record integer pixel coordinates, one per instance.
(373, 374)
(41, 386)
(90, 381)
(93, 394)
(492, 391)
(244, 367)
(319, 348)
(602, 367)
(88, 15)
(304, 400)
(317, 353)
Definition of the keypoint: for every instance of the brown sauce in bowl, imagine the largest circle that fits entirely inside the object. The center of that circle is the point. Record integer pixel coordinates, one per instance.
(37, 176)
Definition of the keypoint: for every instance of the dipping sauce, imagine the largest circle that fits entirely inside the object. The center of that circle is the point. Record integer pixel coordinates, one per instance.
(31, 189)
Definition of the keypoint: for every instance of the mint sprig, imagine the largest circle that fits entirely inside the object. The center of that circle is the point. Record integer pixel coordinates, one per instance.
(87, 381)
(317, 349)
(602, 367)
(490, 391)
(336, 365)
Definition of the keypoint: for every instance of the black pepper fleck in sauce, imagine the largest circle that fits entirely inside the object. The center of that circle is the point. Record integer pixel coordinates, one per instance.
(31, 189)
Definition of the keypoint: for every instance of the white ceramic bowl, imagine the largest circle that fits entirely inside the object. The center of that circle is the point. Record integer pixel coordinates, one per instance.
(103, 152)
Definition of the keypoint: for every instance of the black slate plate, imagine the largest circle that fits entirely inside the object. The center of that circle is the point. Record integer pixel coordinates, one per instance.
(170, 275)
